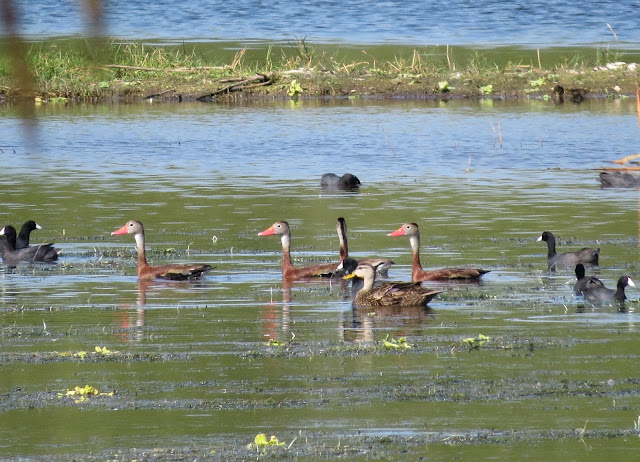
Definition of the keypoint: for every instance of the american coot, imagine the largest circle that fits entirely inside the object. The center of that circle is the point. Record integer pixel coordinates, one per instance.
(619, 180)
(290, 272)
(171, 271)
(346, 182)
(23, 237)
(390, 293)
(595, 292)
(380, 264)
(586, 256)
(418, 274)
(582, 280)
(44, 253)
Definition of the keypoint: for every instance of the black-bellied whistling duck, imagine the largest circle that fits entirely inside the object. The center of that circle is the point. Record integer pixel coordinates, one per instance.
(586, 256)
(595, 292)
(290, 272)
(418, 274)
(346, 182)
(11, 256)
(23, 238)
(380, 264)
(172, 271)
(390, 293)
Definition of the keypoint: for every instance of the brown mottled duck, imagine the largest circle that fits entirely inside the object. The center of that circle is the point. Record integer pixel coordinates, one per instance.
(391, 293)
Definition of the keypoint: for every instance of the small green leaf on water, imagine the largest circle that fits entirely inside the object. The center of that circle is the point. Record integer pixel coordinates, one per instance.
(274, 342)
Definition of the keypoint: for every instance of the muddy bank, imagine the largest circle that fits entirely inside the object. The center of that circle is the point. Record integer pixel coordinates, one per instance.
(67, 70)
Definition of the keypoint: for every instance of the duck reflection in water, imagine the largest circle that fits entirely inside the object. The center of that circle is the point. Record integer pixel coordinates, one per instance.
(360, 324)
(131, 323)
(272, 328)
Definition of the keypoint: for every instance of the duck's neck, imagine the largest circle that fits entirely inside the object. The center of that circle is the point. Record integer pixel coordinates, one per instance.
(142, 258)
(344, 247)
(287, 264)
(367, 285)
(415, 253)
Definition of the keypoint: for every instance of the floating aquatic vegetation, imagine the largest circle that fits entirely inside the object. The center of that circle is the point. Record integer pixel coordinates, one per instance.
(397, 344)
(81, 394)
(476, 342)
(98, 351)
(261, 441)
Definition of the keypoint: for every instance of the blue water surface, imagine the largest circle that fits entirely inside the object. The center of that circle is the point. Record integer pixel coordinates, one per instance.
(531, 23)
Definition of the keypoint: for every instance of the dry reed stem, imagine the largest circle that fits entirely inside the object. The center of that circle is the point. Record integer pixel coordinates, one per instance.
(497, 131)
(237, 59)
(625, 159)
(638, 104)
(168, 69)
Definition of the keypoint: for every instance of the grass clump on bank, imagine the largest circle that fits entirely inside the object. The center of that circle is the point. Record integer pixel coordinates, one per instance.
(80, 69)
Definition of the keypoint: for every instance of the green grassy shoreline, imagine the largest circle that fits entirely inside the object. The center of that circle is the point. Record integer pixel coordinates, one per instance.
(75, 69)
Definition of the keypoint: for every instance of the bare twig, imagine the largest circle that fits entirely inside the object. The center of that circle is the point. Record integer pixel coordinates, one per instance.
(259, 80)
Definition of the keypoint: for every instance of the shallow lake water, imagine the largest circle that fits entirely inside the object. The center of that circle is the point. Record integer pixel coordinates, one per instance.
(191, 364)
